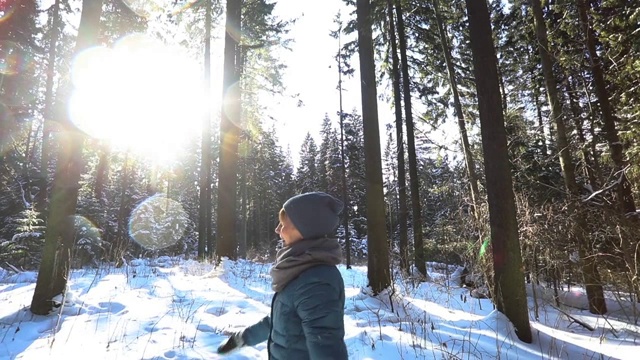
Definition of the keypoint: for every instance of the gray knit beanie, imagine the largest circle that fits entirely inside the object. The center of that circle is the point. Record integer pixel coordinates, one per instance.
(314, 214)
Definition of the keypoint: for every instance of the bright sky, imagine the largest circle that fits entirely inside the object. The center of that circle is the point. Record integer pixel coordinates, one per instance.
(312, 71)
(130, 92)
(120, 95)
(169, 308)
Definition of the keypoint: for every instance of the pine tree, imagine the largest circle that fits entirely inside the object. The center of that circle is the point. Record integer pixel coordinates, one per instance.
(414, 181)
(323, 154)
(356, 173)
(508, 289)
(55, 265)
(592, 282)
(307, 175)
(397, 104)
(378, 255)
(204, 220)
(226, 244)
(19, 31)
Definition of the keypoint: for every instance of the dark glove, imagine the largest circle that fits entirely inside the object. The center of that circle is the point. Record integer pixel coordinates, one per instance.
(233, 342)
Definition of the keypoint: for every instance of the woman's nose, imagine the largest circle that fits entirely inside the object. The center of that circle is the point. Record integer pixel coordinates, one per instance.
(277, 230)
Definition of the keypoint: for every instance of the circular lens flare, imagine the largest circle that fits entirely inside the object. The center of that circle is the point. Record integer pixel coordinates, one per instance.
(86, 232)
(8, 126)
(157, 222)
(230, 105)
(7, 8)
(13, 58)
(235, 33)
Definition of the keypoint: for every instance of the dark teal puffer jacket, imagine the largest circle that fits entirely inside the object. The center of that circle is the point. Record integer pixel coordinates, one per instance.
(306, 320)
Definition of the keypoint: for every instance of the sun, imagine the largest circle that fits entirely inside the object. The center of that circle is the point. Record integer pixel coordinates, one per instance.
(140, 95)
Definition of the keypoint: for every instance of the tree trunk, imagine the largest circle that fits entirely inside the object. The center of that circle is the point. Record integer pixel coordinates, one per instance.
(416, 207)
(56, 258)
(590, 166)
(229, 136)
(41, 198)
(102, 173)
(594, 289)
(343, 165)
(204, 209)
(242, 241)
(378, 257)
(624, 193)
(466, 147)
(540, 129)
(507, 260)
(120, 242)
(402, 184)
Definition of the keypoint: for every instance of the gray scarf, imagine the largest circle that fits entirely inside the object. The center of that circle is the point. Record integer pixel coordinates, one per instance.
(300, 256)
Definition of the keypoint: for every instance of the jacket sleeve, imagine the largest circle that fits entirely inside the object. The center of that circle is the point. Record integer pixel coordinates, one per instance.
(258, 332)
(321, 309)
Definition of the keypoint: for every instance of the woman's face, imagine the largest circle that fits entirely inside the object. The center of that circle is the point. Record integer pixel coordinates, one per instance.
(287, 231)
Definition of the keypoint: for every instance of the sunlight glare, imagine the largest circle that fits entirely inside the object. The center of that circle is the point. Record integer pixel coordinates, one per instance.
(141, 95)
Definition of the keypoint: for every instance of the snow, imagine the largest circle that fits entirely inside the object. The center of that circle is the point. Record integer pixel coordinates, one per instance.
(170, 308)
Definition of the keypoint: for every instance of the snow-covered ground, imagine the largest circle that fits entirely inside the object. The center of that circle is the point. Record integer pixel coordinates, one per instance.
(174, 309)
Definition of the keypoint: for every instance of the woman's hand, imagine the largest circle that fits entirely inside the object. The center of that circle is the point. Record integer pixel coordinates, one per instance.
(233, 342)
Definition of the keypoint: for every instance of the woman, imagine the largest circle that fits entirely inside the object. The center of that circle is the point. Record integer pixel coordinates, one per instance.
(307, 309)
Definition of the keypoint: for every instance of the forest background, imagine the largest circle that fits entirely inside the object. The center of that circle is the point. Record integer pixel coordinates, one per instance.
(546, 110)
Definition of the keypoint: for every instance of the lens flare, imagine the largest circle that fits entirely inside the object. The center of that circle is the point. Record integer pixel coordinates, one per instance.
(235, 34)
(230, 105)
(86, 232)
(158, 222)
(147, 8)
(151, 9)
(484, 247)
(185, 6)
(7, 128)
(6, 9)
(13, 58)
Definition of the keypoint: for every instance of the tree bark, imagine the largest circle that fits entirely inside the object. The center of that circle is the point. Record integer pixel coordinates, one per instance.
(540, 130)
(229, 136)
(590, 165)
(120, 242)
(402, 183)
(509, 292)
(204, 211)
(378, 271)
(343, 164)
(41, 198)
(56, 258)
(466, 147)
(102, 173)
(414, 181)
(242, 241)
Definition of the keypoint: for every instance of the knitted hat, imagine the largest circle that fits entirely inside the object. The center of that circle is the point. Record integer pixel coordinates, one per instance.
(314, 214)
